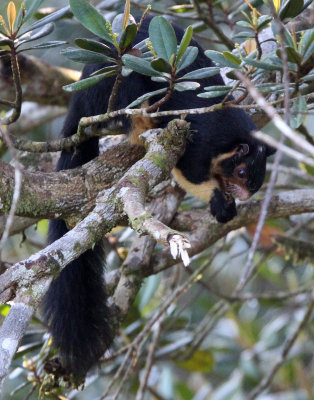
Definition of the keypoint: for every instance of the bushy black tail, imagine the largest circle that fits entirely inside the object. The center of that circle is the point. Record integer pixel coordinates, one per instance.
(74, 307)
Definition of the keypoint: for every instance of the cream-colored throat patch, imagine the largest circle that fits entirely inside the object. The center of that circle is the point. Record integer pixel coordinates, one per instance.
(202, 191)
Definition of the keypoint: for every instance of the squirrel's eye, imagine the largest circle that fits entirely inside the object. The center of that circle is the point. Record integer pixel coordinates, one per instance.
(241, 173)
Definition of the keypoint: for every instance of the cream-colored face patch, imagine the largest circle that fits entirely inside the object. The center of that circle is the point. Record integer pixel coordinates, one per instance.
(202, 191)
(215, 164)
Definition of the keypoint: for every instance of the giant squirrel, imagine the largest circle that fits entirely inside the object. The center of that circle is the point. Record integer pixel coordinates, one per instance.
(221, 161)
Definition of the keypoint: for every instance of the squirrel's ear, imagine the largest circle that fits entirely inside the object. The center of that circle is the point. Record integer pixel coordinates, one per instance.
(243, 149)
(270, 150)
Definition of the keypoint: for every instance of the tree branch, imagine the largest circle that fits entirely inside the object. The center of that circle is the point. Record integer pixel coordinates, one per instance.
(205, 231)
(45, 89)
(30, 278)
(59, 194)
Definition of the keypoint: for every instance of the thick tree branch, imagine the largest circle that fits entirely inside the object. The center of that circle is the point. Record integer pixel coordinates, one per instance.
(205, 231)
(30, 278)
(66, 193)
(11, 333)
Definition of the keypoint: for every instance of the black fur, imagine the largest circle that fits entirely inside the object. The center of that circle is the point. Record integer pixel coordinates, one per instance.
(221, 208)
(75, 305)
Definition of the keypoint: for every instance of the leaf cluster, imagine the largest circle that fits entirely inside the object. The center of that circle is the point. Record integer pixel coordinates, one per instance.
(16, 31)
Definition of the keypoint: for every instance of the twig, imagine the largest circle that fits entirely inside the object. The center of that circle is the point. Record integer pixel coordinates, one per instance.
(82, 135)
(115, 89)
(296, 155)
(213, 26)
(274, 116)
(155, 394)
(16, 191)
(149, 361)
(247, 272)
(18, 90)
(266, 381)
(137, 342)
(292, 171)
(118, 373)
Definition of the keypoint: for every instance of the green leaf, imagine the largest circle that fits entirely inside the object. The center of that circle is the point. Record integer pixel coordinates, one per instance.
(146, 96)
(85, 56)
(4, 309)
(148, 290)
(185, 41)
(244, 24)
(45, 45)
(244, 35)
(181, 8)
(183, 391)
(27, 349)
(232, 58)
(288, 38)
(127, 37)
(117, 25)
(30, 6)
(287, 34)
(246, 16)
(18, 388)
(262, 65)
(188, 58)
(274, 60)
(84, 83)
(307, 168)
(308, 78)
(308, 49)
(141, 45)
(90, 18)
(126, 71)
(220, 59)
(113, 69)
(159, 64)
(307, 40)
(160, 79)
(37, 34)
(46, 20)
(291, 9)
(231, 75)
(263, 21)
(199, 26)
(201, 361)
(201, 73)
(307, 4)
(94, 45)
(270, 87)
(162, 37)
(298, 112)
(139, 65)
(126, 14)
(214, 93)
(211, 95)
(218, 88)
(6, 42)
(183, 86)
(292, 55)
